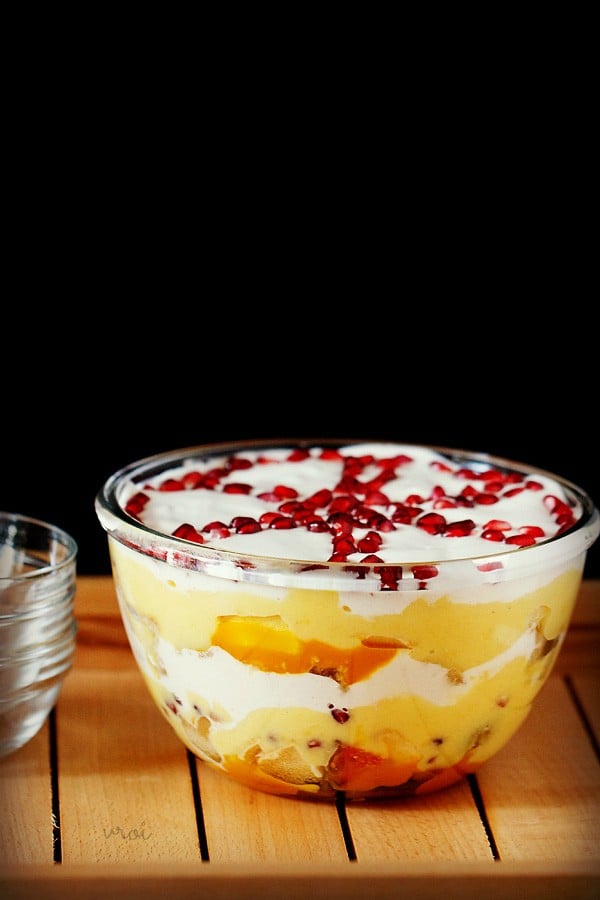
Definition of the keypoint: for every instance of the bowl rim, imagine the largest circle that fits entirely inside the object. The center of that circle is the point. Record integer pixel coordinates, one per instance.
(128, 531)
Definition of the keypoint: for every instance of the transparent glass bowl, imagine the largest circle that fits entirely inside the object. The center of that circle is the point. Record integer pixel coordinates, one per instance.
(37, 623)
(308, 678)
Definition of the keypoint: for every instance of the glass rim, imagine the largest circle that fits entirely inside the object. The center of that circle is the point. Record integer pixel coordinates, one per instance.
(53, 531)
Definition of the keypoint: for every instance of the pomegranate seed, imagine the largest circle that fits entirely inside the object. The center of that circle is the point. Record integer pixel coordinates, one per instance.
(331, 454)
(189, 533)
(376, 498)
(268, 497)
(268, 517)
(371, 558)
(521, 540)
(414, 500)
(344, 544)
(432, 523)
(282, 522)
(341, 523)
(459, 529)
(321, 499)
(136, 504)
(172, 484)
(492, 534)
(343, 504)
(533, 530)
(238, 462)
(513, 492)
(193, 480)
(405, 514)
(348, 485)
(316, 524)
(493, 487)
(440, 466)
(534, 486)
(370, 542)
(485, 499)
(216, 530)
(498, 525)
(389, 577)
(337, 557)
(289, 507)
(469, 492)
(298, 455)
(236, 488)
(444, 503)
(244, 525)
(284, 492)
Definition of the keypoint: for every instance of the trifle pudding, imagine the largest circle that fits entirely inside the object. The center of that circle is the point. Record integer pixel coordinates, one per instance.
(321, 617)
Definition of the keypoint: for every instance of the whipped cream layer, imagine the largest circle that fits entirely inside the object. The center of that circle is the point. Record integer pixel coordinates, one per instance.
(370, 502)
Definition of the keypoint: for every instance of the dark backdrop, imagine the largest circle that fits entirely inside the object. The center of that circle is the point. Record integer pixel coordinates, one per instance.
(74, 414)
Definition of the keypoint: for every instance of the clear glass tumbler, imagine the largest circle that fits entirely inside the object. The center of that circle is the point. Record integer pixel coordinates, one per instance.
(37, 623)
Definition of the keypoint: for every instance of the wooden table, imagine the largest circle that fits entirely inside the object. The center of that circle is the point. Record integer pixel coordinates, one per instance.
(106, 802)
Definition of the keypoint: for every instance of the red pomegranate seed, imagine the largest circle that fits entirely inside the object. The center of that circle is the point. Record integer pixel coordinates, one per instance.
(533, 530)
(340, 523)
(321, 499)
(521, 540)
(193, 480)
(189, 533)
(469, 492)
(238, 462)
(284, 492)
(315, 523)
(370, 542)
(485, 499)
(376, 498)
(414, 500)
(348, 485)
(268, 517)
(343, 504)
(236, 488)
(493, 487)
(329, 453)
(405, 514)
(534, 486)
(459, 529)
(344, 544)
(497, 525)
(136, 504)
(440, 466)
(432, 523)
(444, 503)
(513, 492)
(371, 558)
(216, 530)
(492, 534)
(298, 455)
(244, 525)
(171, 484)
(282, 522)
(337, 557)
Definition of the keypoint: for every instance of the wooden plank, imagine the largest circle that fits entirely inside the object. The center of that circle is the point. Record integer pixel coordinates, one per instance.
(441, 826)
(26, 802)
(542, 791)
(125, 786)
(264, 881)
(243, 825)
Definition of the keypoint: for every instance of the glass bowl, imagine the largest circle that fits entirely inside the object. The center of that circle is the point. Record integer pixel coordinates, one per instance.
(37, 623)
(323, 617)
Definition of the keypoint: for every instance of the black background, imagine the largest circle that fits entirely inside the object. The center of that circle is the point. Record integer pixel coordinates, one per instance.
(110, 388)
